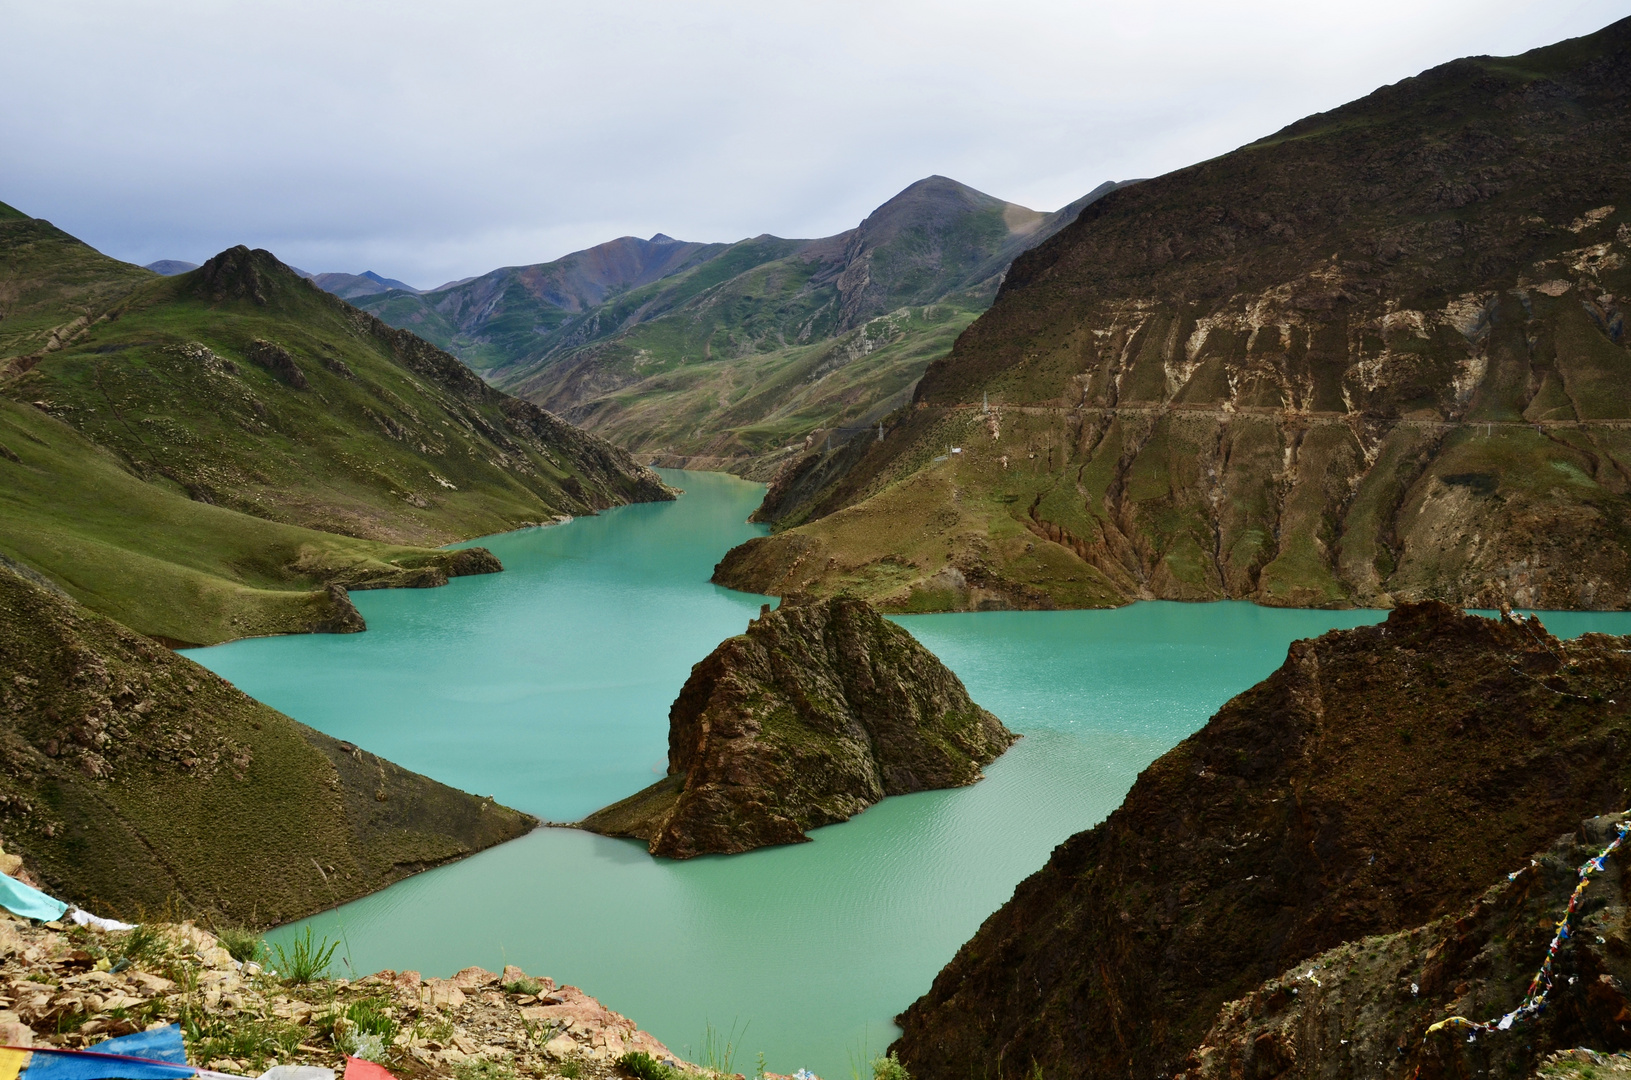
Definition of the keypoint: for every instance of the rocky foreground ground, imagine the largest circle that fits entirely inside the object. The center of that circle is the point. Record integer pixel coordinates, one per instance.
(71, 987)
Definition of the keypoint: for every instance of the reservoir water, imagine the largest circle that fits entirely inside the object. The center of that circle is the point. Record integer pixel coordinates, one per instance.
(548, 687)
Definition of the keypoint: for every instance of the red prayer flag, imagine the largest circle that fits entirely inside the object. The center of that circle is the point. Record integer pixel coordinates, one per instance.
(360, 1069)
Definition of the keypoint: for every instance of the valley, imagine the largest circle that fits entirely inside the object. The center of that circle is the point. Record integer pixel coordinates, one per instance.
(736, 356)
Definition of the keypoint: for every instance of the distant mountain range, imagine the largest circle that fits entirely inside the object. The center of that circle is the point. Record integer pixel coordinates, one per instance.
(352, 286)
(170, 267)
(734, 355)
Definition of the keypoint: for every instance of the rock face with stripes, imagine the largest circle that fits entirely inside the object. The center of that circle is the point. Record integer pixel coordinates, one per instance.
(1375, 357)
(1383, 778)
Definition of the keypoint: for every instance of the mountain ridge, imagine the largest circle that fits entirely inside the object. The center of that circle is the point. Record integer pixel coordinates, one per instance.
(209, 455)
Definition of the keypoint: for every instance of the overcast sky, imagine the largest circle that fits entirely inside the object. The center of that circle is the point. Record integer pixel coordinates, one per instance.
(428, 141)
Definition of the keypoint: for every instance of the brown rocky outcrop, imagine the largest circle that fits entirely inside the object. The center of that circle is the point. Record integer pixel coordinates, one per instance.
(1383, 778)
(819, 711)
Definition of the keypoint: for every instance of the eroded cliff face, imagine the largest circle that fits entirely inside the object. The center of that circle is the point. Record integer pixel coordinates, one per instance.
(1384, 777)
(1377, 357)
(819, 711)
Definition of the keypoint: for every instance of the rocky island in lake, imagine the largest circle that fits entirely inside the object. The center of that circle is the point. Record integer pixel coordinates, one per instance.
(819, 711)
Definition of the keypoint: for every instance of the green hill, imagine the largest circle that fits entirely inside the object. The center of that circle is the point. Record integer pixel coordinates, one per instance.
(732, 356)
(199, 456)
(1377, 356)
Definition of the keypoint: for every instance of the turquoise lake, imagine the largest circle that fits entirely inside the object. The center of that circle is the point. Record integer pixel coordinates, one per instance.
(548, 687)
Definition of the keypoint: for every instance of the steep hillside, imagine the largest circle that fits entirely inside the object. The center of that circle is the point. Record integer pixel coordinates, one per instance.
(249, 387)
(1350, 1011)
(52, 285)
(1383, 778)
(1376, 356)
(131, 780)
(736, 355)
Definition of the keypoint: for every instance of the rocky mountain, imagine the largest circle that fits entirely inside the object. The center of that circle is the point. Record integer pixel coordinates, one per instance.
(1376, 356)
(170, 267)
(734, 355)
(200, 456)
(134, 781)
(819, 711)
(1304, 885)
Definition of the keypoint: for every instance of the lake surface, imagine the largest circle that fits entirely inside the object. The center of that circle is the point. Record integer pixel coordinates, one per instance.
(548, 687)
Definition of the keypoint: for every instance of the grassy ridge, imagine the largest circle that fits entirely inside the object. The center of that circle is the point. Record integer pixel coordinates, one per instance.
(52, 285)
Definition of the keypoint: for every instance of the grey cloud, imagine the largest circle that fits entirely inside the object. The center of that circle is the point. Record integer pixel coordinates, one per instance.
(431, 141)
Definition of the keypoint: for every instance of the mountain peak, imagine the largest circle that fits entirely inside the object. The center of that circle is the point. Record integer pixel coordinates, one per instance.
(662, 238)
(241, 274)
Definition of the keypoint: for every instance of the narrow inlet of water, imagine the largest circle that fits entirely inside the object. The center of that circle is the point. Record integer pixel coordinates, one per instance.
(548, 687)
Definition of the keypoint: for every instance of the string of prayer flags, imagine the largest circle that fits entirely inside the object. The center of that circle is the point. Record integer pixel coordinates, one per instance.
(1535, 1000)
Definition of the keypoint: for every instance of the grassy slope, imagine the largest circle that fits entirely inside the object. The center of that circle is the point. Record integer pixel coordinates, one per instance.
(388, 440)
(754, 405)
(158, 561)
(135, 782)
(1194, 399)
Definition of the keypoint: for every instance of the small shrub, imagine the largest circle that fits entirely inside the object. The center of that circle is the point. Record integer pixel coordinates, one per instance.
(305, 961)
(142, 945)
(246, 1038)
(571, 1068)
(889, 1068)
(482, 1069)
(643, 1066)
(245, 946)
(436, 1028)
(524, 986)
(373, 1015)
